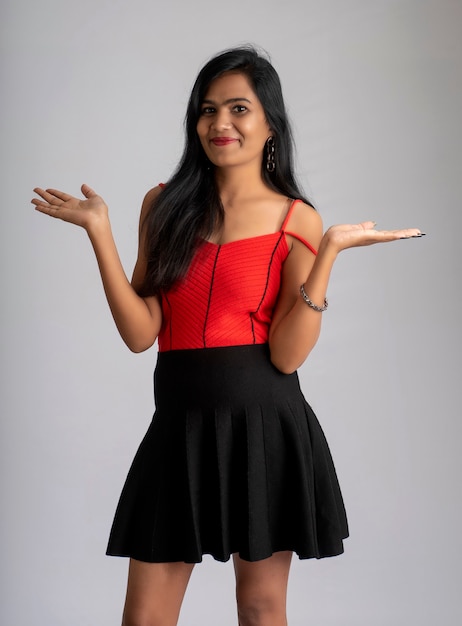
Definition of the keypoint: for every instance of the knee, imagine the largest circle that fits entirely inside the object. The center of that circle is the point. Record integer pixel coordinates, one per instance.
(260, 611)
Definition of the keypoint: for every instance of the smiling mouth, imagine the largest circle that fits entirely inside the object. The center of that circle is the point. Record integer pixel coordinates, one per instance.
(223, 141)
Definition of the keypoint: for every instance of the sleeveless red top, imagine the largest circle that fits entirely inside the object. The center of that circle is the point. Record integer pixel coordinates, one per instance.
(228, 295)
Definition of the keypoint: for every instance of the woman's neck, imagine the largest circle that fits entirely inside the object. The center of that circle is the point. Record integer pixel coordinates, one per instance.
(234, 183)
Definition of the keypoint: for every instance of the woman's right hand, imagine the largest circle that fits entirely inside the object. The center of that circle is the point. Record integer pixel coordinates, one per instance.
(84, 213)
(137, 319)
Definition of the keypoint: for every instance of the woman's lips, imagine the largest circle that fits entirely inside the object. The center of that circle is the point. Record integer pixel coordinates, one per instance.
(222, 141)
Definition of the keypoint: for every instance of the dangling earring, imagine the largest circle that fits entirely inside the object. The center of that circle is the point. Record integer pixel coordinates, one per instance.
(270, 164)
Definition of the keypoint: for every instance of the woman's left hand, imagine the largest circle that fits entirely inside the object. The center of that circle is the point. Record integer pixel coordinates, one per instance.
(344, 236)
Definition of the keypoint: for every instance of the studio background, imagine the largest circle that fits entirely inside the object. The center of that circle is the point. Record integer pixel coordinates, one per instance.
(95, 91)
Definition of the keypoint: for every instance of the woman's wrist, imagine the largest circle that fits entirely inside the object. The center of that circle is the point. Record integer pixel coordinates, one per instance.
(326, 248)
(98, 227)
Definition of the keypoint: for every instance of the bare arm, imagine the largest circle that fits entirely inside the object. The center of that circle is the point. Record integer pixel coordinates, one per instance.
(138, 320)
(296, 326)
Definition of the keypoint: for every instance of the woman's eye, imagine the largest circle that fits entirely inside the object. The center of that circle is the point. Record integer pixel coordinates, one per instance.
(207, 111)
(239, 108)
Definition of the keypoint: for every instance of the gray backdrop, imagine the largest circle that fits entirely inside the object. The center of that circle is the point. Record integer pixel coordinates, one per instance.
(95, 91)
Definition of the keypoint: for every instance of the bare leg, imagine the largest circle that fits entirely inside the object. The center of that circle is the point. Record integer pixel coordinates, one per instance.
(155, 592)
(261, 590)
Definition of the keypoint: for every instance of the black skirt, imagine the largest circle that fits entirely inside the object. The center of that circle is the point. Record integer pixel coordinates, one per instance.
(234, 461)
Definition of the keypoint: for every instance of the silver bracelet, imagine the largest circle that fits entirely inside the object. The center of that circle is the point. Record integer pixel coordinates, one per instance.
(319, 309)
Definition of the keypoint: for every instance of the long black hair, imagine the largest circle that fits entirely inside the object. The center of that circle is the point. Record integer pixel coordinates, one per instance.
(189, 208)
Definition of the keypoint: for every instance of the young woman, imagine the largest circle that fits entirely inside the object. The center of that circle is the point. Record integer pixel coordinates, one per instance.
(231, 278)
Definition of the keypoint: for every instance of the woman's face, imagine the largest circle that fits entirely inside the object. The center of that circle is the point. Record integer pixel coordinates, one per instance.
(232, 126)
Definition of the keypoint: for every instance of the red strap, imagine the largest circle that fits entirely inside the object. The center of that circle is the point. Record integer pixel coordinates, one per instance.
(304, 241)
(289, 213)
(295, 235)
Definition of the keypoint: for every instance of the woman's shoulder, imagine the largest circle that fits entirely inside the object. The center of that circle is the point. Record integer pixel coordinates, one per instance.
(304, 223)
(302, 215)
(152, 194)
(149, 198)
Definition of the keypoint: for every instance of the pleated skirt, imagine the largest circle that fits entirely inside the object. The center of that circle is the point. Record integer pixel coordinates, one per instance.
(234, 461)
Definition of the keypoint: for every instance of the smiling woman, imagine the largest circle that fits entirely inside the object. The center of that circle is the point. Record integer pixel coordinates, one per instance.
(231, 277)
(233, 129)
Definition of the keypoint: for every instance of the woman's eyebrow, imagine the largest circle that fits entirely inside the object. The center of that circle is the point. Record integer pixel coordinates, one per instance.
(229, 101)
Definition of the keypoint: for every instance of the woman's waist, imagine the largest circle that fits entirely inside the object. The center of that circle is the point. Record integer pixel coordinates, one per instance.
(220, 375)
(230, 328)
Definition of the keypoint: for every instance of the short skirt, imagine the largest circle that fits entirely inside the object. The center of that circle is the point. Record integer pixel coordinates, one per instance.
(234, 461)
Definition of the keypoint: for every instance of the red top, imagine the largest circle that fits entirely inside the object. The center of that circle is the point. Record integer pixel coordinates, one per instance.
(229, 293)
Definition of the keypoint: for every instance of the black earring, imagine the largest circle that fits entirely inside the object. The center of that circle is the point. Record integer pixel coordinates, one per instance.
(270, 164)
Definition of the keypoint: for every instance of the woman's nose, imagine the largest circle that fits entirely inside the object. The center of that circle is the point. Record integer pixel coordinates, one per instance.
(221, 121)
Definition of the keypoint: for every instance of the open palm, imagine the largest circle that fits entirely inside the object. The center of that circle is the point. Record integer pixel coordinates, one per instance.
(343, 236)
(81, 212)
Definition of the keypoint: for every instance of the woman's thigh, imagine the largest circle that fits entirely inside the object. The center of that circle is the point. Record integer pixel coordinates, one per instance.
(155, 592)
(261, 588)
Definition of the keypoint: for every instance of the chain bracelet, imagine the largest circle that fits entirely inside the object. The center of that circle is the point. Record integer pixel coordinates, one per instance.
(319, 309)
